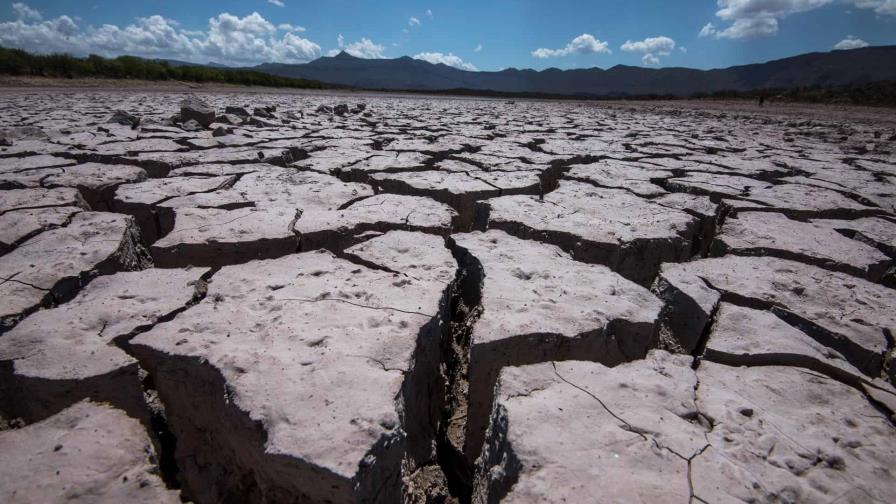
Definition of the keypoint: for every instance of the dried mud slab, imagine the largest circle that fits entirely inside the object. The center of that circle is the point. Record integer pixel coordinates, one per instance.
(52, 266)
(214, 237)
(460, 190)
(539, 305)
(383, 212)
(89, 452)
(631, 235)
(773, 234)
(143, 199)
(399, 284)
(848, 314)
(312, 374)
(794, 200)
(634, 177)
(58, 356)
(781, 434)
(571, 431)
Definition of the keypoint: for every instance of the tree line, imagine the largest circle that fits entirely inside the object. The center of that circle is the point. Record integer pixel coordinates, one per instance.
(66, 66)
(879, 94)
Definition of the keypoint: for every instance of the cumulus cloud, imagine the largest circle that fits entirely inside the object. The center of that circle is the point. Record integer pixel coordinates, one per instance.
(228, 39)
(652, 47)
(851, 42)
(413, 21)
(429, 13)
(747, 28)
(749, 19)
(23, 11)
(659, 45)
(447, 59)
(650, 60)
(886, 7)
(290, 27)
(364, 48)
(278, 3)
(478, 48)
(583, 44)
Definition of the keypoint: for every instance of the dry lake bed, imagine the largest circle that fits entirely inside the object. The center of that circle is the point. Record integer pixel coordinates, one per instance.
(263, 297)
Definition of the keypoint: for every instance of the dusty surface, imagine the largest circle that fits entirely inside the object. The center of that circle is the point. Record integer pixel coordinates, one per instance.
(256, 296)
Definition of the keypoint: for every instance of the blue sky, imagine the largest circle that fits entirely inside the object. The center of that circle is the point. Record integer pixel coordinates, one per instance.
(482, 35)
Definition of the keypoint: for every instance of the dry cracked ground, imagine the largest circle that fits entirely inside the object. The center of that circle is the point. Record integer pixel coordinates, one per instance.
(285, 298)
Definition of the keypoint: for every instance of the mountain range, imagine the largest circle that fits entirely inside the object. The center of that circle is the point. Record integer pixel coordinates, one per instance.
(843, 67)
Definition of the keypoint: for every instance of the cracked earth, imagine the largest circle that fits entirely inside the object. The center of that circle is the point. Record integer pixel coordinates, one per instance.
(280, 298)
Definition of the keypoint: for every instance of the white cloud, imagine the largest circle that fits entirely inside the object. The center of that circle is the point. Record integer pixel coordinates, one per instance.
(851, 42)
(746, 28)
(228, 39)
(447, 59)
(659, 45)
(759, 18)
(683, 49)
(290, 27)
(650, 60)
(652, 47)
(429, 13)
(23, 11)
(707, 31)
(887, 7)
(583, 44)
(478, 48)
(278, 3)
(413, 21)
(364, 48)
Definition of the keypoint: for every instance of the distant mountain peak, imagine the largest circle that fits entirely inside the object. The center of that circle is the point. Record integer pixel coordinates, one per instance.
(405, 73)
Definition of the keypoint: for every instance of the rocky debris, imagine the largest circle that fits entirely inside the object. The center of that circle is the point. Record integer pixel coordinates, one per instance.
(773, 234)
(194, 109)
(264, 112)
(845, 313)
(568, 431)
(237, 111)
(309, 372)
(125, 119)
(51, 267)
(631, 235)
(88, 453)
(56, 357)
(539, 305)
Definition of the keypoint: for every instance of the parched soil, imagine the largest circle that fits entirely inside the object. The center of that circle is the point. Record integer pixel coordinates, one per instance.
(220, 294)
